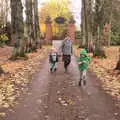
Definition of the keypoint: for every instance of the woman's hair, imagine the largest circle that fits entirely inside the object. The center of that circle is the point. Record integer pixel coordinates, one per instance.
(67, 38)
(65, 34)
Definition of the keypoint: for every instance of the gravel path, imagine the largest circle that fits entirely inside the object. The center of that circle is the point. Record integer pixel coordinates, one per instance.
(57, 96)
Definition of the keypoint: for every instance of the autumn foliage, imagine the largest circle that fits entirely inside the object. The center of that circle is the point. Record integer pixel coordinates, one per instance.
(17, 75)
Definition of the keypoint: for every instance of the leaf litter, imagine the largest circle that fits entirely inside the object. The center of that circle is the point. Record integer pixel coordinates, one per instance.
(20, 73)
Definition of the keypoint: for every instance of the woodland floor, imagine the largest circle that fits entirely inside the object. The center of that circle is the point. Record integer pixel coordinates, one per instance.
(57, 96)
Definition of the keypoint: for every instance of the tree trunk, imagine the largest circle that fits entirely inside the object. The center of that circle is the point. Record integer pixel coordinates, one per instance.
(118, 63)
(99, 51)
(98, 45)
(36, 24)
(86, 23)
(83, 42)
(17, 28)
(6, 11)
(1, 70)
(110, 23)
(29, 26)
(90, 24)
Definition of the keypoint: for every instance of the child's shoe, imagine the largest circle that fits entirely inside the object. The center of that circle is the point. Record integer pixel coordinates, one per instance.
(51, 70)
(55, 69)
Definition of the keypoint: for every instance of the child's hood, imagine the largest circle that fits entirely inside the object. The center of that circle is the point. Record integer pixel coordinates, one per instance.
(83, 52)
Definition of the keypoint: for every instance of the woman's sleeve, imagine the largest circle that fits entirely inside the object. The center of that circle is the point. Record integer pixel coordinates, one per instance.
(62, 46)
(49, 58)
(72, 49)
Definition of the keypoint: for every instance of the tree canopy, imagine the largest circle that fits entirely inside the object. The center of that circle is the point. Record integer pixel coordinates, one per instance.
(55, 8)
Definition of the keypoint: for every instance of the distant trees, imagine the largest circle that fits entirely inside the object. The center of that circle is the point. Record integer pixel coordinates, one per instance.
(4, 26)
(4, 12)
(92, 25)
(96, 14)
(109, 16)
(115, 23)
(54, 9)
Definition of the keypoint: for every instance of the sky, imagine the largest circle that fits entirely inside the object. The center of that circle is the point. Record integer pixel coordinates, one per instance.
(75, 8)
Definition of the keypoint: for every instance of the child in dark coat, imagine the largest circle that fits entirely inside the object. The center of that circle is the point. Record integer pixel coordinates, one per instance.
(53, 60)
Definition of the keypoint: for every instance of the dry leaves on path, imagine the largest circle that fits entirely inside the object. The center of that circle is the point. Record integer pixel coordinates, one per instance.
(20, 73)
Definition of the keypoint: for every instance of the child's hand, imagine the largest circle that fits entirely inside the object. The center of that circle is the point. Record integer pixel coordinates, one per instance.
(80, 63)
(84, 62)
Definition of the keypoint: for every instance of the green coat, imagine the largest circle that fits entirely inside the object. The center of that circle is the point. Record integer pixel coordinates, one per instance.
(84, 58)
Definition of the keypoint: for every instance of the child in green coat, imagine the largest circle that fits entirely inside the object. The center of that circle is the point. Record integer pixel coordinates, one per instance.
(83, 64)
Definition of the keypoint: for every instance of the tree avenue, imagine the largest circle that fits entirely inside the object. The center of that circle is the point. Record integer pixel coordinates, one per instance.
(100, 24)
